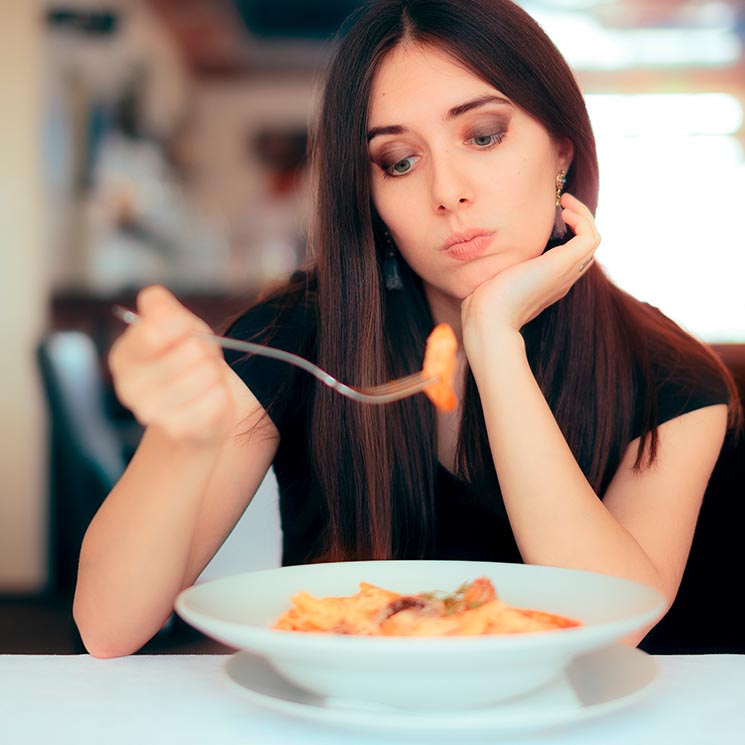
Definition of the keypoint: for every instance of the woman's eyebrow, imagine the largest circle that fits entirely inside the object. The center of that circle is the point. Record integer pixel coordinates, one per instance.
(391, 129)
(456, 111)
(474, 104)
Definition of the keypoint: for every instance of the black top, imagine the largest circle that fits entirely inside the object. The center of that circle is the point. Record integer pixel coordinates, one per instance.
(465, 528)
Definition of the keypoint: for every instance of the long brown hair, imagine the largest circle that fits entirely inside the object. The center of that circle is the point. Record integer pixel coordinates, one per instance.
(594, 354)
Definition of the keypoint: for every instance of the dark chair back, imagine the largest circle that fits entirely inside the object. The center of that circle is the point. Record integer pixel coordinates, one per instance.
(87, 457)
(708, 615)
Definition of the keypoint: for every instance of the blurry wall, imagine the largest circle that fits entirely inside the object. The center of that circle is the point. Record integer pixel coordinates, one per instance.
(22, 303)
(263, 227)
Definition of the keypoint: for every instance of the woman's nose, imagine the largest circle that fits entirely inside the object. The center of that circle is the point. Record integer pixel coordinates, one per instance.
(450, 187)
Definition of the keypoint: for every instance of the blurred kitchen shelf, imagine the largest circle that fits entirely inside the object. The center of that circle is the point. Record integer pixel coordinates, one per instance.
(91, 312)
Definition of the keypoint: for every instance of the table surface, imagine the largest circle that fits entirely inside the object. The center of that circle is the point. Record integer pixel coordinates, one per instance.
(189, 699)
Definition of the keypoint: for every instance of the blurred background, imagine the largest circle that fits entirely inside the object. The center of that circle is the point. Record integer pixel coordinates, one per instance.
(164, 141)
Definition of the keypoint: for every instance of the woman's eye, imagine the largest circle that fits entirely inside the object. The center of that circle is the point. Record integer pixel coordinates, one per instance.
(487, 140)
(400, 167)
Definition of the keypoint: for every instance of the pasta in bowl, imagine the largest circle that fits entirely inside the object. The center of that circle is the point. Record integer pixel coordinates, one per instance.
(472, 610)
(421, 672)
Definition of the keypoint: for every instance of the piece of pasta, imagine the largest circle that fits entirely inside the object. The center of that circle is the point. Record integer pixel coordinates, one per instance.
(440, 361)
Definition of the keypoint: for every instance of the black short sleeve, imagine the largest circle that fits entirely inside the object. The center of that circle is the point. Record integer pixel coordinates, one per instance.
(683, 383)
(681, 396)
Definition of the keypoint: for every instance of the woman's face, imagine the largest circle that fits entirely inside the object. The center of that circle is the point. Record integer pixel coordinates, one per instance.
(464, 180)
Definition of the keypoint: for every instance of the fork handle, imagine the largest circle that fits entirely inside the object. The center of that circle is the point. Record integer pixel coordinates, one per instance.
(277, 354)
(130, 317)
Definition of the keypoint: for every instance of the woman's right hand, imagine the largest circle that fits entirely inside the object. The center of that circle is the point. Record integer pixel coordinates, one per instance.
(168, 378)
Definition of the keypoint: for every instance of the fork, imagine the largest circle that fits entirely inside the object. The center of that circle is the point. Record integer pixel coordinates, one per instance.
(393, 390)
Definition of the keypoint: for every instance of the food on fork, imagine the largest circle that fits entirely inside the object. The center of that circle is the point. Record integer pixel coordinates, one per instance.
(440, 361)
(472, 610)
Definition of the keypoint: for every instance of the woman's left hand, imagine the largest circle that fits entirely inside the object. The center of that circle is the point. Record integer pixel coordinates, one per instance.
(517, 295)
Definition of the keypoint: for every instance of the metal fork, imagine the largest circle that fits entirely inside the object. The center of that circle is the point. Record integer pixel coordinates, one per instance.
(393, 390)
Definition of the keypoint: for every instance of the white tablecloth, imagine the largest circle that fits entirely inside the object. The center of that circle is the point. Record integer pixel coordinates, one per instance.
(189, 699)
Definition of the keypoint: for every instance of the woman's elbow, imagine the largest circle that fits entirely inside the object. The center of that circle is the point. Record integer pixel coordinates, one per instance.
(97, 643)
(104, 647)
(105, 650)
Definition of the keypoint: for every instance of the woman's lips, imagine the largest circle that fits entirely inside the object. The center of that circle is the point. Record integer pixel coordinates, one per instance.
(469, 249)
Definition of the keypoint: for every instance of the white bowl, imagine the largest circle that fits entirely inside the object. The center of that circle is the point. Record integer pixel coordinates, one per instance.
(420, 673)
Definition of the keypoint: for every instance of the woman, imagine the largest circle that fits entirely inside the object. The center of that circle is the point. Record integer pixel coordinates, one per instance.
(456, 181)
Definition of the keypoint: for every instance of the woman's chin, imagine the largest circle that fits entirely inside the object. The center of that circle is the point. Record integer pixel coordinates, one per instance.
(477, 275)
(462, 282)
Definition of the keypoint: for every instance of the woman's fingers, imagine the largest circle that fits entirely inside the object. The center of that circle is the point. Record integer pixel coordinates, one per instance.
(581, 215)
(518, 294)
(181, 392)
(159, 385)
(166, 375)
(579, 250)
(160, 369)
(569, 201)
(163, 322)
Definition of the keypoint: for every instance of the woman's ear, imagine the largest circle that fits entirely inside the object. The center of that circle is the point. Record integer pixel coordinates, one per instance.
(564, 153)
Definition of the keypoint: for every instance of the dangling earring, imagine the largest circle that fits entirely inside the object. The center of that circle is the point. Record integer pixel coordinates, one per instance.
(560, 227)
(391, 269)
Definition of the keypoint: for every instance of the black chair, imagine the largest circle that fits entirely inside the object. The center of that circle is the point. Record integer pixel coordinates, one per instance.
(90, 448)
(87, 453)
(708, 615)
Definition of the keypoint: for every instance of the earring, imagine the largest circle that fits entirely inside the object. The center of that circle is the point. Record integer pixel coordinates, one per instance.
(560, 227)
(391, 269)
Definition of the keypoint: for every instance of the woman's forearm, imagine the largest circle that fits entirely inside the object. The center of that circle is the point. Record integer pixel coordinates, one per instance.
(555, 514)
(135, 551)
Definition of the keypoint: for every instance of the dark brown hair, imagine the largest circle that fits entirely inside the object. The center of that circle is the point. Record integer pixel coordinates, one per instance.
(594, 354)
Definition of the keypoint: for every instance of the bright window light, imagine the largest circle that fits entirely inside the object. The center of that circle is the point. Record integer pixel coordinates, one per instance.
(672, 199)
(667, 114)
(587, 45)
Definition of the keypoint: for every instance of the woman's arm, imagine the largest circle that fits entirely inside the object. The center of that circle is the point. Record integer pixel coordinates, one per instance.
(187, 485)
(643, 528)
(160, 526)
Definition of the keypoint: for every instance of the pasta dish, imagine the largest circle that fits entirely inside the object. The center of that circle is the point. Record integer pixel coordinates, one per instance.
(472, 610)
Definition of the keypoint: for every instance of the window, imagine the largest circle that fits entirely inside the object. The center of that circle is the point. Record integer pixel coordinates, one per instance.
(672, 203)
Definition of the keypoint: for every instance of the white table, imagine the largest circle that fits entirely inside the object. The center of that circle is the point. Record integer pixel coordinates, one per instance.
(188, 699)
